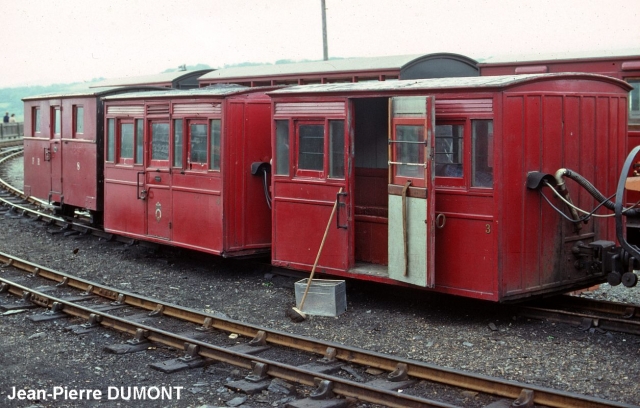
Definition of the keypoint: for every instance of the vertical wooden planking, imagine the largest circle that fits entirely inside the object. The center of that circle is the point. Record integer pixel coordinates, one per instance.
(531, 271)
(588, 163)
(552, 154)
(513, 215)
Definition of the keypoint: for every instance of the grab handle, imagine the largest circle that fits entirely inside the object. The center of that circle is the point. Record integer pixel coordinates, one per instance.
(340, 204)
(142, 195)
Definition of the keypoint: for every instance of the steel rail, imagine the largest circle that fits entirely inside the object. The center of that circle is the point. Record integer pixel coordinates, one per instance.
(341, 386)
(571, 310)
(416, 369)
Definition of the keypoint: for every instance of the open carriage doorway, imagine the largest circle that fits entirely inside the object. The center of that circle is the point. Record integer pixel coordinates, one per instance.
(393, 188)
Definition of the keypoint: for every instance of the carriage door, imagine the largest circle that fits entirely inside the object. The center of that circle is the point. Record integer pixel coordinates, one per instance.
(411, 192)
(158, 182)
(54, 155)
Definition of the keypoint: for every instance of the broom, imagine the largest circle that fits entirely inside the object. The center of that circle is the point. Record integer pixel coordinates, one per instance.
(296, 314)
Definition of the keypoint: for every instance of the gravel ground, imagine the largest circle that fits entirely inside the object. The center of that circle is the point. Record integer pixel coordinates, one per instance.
(433, 328)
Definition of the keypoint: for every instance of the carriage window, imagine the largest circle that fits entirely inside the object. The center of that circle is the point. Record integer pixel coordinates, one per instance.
(410, 151)
(177, 143)
(448, 153)
(56, 121)
(482, 154)
(336, 140)
(311, 147)
(36, 120)
(126, 141)
(214, 160)
(78, 117)
(160, 141)
(139, 140)
(282, 147)
(634, 101)
(111, 139)
(198, 143)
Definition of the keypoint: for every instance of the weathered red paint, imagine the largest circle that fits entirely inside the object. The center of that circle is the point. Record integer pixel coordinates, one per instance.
(501, 243)
(221, 211)
(63, 167)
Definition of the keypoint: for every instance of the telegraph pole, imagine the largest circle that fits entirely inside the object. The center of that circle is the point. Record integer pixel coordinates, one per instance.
(325, 47)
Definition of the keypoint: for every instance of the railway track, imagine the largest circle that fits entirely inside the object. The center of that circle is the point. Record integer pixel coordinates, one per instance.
(588, 314)
(328, 378)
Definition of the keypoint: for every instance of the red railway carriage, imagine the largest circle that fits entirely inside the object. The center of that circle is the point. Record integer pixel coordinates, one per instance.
(63, 148)
(621, 65)
(178, 168)
(436, 65)
(429, 177)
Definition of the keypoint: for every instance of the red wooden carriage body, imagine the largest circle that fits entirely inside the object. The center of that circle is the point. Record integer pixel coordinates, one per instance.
(433, 176)
(178, 168)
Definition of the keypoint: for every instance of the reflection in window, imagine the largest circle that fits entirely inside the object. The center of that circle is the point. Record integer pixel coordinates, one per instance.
(449, 150)
(139, 140)
(198, 143)
(336, 140)
(126, 140)
(214, 160)
(79, 117)
(311, 147)
(282, 147)
(482, 154)
(410, 150)
(634, 101)
(177, 143)
(111, 139)
(160, 141)
(56, 121)
(36, 120)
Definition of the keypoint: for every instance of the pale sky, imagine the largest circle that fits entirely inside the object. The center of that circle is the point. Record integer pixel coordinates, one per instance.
(49, 41)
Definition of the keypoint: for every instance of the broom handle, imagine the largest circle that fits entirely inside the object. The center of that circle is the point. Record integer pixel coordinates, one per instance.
(315, 264)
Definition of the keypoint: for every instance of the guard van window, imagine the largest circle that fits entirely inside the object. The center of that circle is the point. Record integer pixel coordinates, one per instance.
(177, 143)
(78, 117)
(36, 120)
(111, 139)
(214, 160)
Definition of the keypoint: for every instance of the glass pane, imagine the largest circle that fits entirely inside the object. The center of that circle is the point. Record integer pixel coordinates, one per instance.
(409, 106)
(79, 119)
(139, 140)
(177, 143)
(111, 139)
(311, 147)
(410, 152)
(449, 150)
(36, 115)
(56, 121)
(336, 159)
(160, 141)
(126, 140)
(282, 147)
(634, 101)
(214, 162)
(198, 142)
(482, 139)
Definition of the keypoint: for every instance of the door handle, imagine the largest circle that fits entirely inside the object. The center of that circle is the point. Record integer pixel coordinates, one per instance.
(47, 154)
(340, 204)
(141, 195)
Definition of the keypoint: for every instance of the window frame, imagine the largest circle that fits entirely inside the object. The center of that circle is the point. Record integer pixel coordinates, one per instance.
(163, 163)
(310, 173)
(633, 117)
(449, 181)
(56, 120)
(417, 181)
(128, 161)
(36, 121)
(199, 165)
(76, 109)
